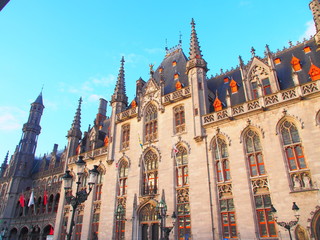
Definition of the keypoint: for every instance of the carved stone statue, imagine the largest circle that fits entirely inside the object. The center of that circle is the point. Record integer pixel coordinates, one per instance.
(306, 181)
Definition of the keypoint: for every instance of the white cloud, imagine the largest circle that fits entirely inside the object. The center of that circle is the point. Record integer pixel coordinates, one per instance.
(310, 31)
(11, 118)
(104, 81)
(94, 98)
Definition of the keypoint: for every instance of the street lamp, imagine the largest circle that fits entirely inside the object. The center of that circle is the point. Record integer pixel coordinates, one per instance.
(81, 195)
(120, 212)
(287, 225)
(161, 208)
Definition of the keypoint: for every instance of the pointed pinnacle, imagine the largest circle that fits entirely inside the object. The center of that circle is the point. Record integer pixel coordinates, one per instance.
(195, 51)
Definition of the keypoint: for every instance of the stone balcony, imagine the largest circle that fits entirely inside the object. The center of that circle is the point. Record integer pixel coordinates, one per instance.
(296, 93)
(90, 155)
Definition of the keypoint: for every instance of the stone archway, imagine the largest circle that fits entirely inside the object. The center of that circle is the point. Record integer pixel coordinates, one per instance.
(149, 223)
(48, 230)
(315, 224)
(24, 234)
(13, 235)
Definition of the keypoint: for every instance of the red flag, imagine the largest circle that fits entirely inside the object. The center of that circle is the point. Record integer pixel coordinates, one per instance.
(45, 198)
(51, 231)
(21, 200)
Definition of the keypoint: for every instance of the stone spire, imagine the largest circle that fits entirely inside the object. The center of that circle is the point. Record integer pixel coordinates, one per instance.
(4, 165)
(119, 94)
(195, 51)
(76, 124)
(315, 9)
(195, 56)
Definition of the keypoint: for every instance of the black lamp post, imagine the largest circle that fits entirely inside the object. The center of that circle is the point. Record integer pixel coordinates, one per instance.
(119, 218)
(81, 195)
(287, 225)
(161, 208)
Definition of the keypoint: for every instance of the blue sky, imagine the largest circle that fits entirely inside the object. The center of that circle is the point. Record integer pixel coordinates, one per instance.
(74, 48)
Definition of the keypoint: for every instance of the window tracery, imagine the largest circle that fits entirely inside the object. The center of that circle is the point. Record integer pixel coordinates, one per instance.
(150, 173)
(151, 123)
(179, 119)
(254, 153)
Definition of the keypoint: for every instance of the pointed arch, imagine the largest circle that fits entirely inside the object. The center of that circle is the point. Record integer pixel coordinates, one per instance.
(292, 118)
(154, 149)
(124, 158)
(221, 158)
(252, 127)
(221, 135)
(149, 172)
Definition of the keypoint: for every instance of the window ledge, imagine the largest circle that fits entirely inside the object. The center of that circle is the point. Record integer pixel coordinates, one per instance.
(304, 190)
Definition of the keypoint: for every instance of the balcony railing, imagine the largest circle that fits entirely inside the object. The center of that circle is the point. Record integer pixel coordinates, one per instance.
(261, 103)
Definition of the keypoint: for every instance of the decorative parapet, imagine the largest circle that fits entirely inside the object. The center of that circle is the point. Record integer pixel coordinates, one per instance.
(176, 96)
(130, 113)
(89, 155)
(295, 93)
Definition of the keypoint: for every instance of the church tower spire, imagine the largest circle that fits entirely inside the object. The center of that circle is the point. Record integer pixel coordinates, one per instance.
(197, 70)
(119, 94)
(31, 129)
(315, 9)
(74, 134)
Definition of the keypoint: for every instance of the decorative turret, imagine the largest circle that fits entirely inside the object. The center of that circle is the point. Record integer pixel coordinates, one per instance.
(119, 94)
(315, 9)
(101, 115)
(74, 134)
(32, 128)
(195, 58)
(196, 70)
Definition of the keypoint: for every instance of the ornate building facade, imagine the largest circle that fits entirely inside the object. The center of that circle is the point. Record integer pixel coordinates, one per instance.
(222, 153)
(30, 187)
(192, 157)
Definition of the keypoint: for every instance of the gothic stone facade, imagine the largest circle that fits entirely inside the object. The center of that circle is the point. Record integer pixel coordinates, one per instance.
(218, 151)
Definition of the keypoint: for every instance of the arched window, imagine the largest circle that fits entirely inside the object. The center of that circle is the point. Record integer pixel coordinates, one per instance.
(182, 192)
(123, 177)
(182, 167)
(220, 152)
(98, 186)
(179, 119)
(151, 123)
(254, 153)
(292, 146)
(150, 173)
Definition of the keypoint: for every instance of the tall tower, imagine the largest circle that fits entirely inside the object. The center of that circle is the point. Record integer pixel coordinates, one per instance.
(74, 134)
(119, 102)
(196, 70)
(32, 129)
(315, 9)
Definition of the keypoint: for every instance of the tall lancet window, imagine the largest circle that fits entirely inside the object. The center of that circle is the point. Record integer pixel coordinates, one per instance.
(123, 177)
(292, 146)
(151, 123)
(254, 154)
(297, 165)
(182, 191)
(121, 199)
(224, 188)
(150, 173)
(221, 160)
